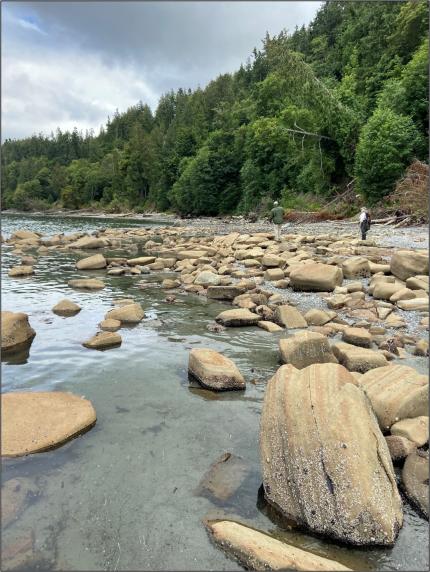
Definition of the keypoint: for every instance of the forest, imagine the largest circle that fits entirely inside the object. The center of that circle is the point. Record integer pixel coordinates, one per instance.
(341, 102)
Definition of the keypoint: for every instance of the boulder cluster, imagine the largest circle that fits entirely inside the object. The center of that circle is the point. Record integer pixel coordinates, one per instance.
(341, 408)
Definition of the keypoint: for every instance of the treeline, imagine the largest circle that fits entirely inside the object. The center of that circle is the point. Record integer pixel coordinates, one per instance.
(344, 99)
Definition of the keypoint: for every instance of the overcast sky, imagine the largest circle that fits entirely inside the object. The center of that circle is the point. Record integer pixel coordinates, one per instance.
(72, 64)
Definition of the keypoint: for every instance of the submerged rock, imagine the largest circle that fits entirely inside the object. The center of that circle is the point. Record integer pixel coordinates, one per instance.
(16, 332)
(36, 421)
(86, 284)
(305, 348)
(241, 317)
(19, 271)
(224, 292)
(66, 308)
(103, 341)
(224, 477)
(214, 370)
(258, 551)
(325, 462)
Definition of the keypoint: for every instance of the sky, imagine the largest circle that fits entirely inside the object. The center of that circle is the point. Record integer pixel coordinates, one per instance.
(67, 64)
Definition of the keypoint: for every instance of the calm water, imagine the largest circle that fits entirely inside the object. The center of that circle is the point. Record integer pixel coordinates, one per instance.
(123, 496)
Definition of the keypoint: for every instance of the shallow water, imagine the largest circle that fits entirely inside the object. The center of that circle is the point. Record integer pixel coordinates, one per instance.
(123, 495)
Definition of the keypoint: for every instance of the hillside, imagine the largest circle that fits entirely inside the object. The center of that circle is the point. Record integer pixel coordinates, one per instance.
(342, 101)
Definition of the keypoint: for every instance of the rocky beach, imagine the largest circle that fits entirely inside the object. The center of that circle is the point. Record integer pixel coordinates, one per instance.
(303, 363)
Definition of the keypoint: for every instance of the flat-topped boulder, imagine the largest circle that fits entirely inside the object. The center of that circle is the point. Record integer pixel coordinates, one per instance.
(207, 278)
(268, 326)
(407, 263)
(19, 271)
(224, 292)
(356, 358)
(396, 392)
(257, 550)
(16, 332)
(306, 348)
(355, 266)
(414, 304)
(415, 480)
(33, 422)
(103, 341)
(92, 262)
(190, 254)
(141, 261)
(315, 277)
(289, 317)
(214, 371)
(66, 308)
(317, 317)
(385, 290)
(325, 462)
(357, 337)
(128, 314)
(86, 284)
(240, 317)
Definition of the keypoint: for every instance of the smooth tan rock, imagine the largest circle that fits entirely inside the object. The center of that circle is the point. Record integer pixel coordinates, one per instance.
(128, 314)
(110, 325)
(355, 358)
(416, 429)
(207, 278)
(92, 262)
(416, 283)
(304, 349)
(190, 254)
(407, 263)
(399, 447)
(325, 462)
(289, 317)
(385, 290)
(316, 277)
(274, 274)
(89, 242)
(16, 332)
(415, 479)
(396, 392)
(66, 308)
(36, 421)
(258, 551)
(103, 341)
(86, 284)
(316, 317)
(240, 317)
(421, 348)
(19, 271)
(141, 261)
(414, 305)
(402, 294)
(269, 326)
(214, 371)
(357, 337)
(169, 284)
(25, 234)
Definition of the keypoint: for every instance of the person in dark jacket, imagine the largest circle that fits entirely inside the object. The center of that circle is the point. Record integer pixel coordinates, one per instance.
(364, 222)
(277, 217)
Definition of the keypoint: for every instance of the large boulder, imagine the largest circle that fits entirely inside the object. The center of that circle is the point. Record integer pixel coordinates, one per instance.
(224, 292)
(357, 337)
(256, 550)
(305, 348)
(86, 284)
(316, 277)
(240, 317)
(92, 262)
(407, 263)
(385, 290)
(16, 332)
(415, 429)
(214, 371)
(315, 317)
(356, 358)
(325, 462)
(207, 278)
(103, 341)
(289, 317)
(32, 422)
(415, 480)
(128, 314)
(66, 308)
(396, 392)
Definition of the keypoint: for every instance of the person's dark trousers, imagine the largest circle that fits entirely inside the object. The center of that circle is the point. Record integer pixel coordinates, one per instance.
(363, 228)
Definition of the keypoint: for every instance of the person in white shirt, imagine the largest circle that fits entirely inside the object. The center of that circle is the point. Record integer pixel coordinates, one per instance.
(364, 222)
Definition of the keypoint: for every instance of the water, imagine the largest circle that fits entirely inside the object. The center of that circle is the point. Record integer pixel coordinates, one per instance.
(123, 495)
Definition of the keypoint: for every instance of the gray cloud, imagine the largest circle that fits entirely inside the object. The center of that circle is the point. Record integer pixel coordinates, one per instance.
(72, 63)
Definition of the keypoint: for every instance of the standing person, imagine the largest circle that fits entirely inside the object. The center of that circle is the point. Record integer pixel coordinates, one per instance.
(364, 222)
(277, 217)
